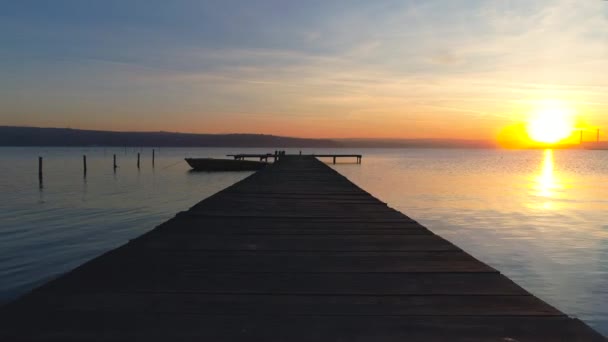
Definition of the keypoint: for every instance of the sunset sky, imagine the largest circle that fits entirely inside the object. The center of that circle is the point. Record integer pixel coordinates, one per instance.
(399, 69)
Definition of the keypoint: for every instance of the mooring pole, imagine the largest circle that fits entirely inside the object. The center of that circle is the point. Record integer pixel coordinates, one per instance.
(84, 164)
(138, 160)
(153, 156)
(115, 163)
(40, 171)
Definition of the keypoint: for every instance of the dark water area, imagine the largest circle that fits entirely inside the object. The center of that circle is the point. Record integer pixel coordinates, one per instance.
(540, 217)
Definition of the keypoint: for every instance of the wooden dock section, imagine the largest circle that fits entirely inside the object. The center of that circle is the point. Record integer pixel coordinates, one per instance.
(275, 157)
(293, 253)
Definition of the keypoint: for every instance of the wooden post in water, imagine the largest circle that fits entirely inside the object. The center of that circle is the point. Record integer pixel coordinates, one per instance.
(115, 163)
(138, 156)
(40, 171)
(153, 156)
(84, 164)
(334, 159)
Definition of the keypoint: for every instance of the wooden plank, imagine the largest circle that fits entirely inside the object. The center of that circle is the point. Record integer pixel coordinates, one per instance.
(274, 304)
(96, 326)
(187, 224)
(357, 197)
(201, 262)
(385, 243)
(298, 215)
(197, 230)
(178, 280)
(281, 206)
(291, 222)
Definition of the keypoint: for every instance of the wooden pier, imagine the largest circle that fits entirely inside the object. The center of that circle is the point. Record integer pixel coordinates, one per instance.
(293, 253)
(275, 157)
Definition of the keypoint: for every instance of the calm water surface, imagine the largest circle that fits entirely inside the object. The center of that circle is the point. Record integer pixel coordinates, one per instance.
(540, 217)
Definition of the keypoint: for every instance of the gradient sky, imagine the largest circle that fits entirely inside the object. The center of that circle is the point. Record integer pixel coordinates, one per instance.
(402, 69)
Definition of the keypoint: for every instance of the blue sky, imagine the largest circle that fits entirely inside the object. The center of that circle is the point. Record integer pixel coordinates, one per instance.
(306, 68)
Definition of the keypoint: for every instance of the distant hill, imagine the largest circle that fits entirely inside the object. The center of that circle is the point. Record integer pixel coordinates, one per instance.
(34, 136)
(417, 143)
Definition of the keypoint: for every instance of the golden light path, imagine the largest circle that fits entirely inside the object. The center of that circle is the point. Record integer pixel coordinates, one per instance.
(547, 183)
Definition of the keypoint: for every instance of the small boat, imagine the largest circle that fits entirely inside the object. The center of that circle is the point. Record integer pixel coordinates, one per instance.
(210, 164)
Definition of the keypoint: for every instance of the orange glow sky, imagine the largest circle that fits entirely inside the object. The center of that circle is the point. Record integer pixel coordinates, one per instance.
(332, 69)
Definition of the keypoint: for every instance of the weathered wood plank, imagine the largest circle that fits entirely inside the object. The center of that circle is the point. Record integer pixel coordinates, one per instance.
(296, 222)
(95, 326)
(201, 262)
(274, 304)
(386, 243)
(177, 280)
(188, 224)
(198, 231)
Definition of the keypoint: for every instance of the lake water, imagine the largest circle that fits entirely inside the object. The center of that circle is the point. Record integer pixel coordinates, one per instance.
(540, 217)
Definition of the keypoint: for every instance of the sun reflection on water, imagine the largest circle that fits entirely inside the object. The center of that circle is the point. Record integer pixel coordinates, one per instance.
(547, 183)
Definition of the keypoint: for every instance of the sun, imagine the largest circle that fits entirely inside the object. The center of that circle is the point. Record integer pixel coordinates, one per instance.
(550, 124)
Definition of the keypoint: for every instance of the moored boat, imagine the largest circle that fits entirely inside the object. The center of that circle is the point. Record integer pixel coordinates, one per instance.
(211, 164)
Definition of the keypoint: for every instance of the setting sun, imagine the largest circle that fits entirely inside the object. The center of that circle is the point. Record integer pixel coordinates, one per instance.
(550, 125)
